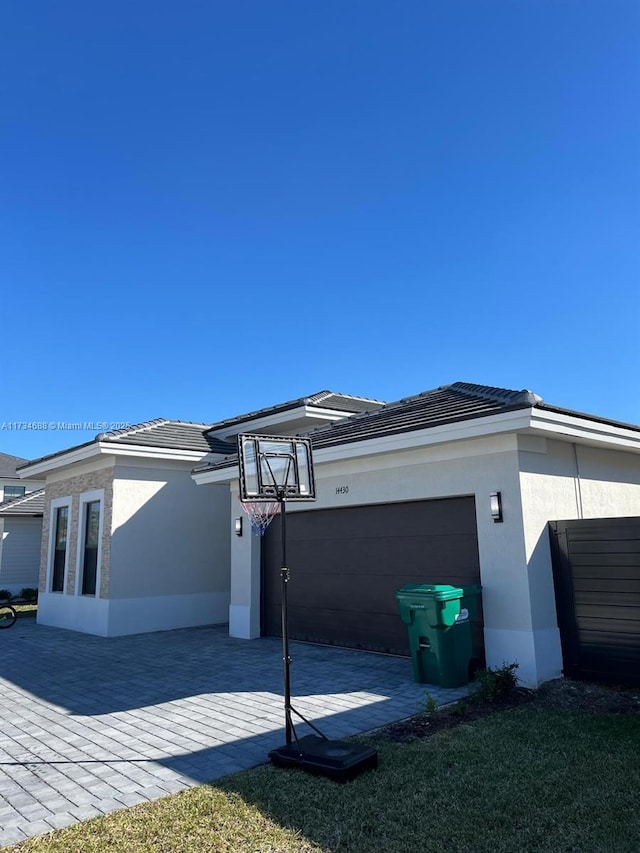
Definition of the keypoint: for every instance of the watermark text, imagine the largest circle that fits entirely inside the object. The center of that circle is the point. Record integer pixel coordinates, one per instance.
(53, 426)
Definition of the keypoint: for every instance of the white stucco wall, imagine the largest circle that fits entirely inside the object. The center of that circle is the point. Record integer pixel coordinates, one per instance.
(169, 549)
(164, 560)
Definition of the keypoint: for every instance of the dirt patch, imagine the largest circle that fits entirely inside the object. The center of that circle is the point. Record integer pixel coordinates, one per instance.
(565, 694)
(561, 694)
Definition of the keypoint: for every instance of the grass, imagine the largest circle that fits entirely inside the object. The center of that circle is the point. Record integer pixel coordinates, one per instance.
(521, 780)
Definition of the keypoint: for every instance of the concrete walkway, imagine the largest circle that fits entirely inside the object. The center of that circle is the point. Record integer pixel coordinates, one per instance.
(89, 725)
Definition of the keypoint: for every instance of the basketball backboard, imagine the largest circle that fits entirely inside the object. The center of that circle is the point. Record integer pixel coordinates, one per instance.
(274, 467)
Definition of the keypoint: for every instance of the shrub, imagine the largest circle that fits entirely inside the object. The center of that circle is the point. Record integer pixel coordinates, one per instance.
(430, 704)
(495, 685)
(29, 594)
(5, 595)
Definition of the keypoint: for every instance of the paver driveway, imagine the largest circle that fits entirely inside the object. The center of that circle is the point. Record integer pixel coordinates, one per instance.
(90, 725)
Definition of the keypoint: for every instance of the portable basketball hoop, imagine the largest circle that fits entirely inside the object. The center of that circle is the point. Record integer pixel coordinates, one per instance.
(261, 514)
(273, 470)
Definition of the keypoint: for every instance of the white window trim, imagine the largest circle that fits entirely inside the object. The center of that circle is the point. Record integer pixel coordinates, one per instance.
(55, 504)
(84, 499)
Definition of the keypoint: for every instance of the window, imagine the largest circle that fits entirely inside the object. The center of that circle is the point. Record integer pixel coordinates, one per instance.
(89, 543)
(59, 548)
(12, 492)
(90, 547)
(58, 562)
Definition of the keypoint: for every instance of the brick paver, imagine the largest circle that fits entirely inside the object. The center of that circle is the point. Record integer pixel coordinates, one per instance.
(89, 725)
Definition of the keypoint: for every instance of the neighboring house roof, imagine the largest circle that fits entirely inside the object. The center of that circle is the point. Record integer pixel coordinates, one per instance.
(322, 400)
(9, 465)
(449, 404)
(30, 504)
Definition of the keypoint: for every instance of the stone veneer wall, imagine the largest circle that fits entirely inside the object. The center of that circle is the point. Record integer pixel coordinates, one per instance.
(74, 487)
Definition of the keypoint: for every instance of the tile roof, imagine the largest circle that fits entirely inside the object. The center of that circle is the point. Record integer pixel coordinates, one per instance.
(161, 433)
(9, 464)
(460, 401)
(448, 404)
(169, 434)
(322, 400)
(29, 504)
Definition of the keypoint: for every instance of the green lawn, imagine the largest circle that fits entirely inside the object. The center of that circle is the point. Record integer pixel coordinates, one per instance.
(522, 780)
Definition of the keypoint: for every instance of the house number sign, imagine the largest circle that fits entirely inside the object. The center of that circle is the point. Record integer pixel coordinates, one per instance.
(342, 490)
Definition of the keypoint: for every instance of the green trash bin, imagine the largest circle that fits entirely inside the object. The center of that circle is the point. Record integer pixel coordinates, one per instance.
(438, 619)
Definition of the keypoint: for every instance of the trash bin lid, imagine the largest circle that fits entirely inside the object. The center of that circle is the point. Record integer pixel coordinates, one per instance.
(437, 592)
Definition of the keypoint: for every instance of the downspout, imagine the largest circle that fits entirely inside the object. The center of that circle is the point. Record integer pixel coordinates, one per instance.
(577, 481)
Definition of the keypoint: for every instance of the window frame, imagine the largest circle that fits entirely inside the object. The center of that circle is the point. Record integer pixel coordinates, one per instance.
(6, 497)
(86, 498)
(54, 506)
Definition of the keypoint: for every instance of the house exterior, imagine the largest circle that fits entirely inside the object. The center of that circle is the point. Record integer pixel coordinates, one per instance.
(130, 542)
(20, 527)
(455, 485)
(11, 484)
(20, 537)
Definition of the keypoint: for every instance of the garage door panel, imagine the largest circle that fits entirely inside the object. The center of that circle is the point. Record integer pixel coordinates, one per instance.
(369, 631)
(384, 555)
(348, 594)
(346, 565)
(452, 516)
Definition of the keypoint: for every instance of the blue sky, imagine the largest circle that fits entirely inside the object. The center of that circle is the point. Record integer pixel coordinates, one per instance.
(211, 207)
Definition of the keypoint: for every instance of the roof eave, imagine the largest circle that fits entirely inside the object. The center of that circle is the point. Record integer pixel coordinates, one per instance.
(280, 419)
(149, 452)
(587, 430)
(95, 449)
(532, 419)
(62, 459)
(511, 421)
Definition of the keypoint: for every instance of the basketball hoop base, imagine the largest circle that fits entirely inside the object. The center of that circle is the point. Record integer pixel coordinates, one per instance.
(335, 759)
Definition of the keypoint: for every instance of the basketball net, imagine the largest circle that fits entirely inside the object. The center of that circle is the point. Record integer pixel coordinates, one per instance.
(261, 514)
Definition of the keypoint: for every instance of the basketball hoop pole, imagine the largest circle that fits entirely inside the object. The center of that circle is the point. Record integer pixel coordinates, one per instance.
(284, 580)
(272, 469)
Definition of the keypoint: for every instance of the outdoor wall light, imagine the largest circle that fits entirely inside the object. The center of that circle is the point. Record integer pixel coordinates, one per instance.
(496, 506)
(237, 526)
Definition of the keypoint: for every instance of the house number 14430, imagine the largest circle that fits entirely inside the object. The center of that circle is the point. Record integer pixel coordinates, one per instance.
(342, 490)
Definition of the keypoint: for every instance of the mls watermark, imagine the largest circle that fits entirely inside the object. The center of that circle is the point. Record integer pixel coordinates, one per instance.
(74, 426)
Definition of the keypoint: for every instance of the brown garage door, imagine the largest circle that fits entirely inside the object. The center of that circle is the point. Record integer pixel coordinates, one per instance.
(346, 565)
